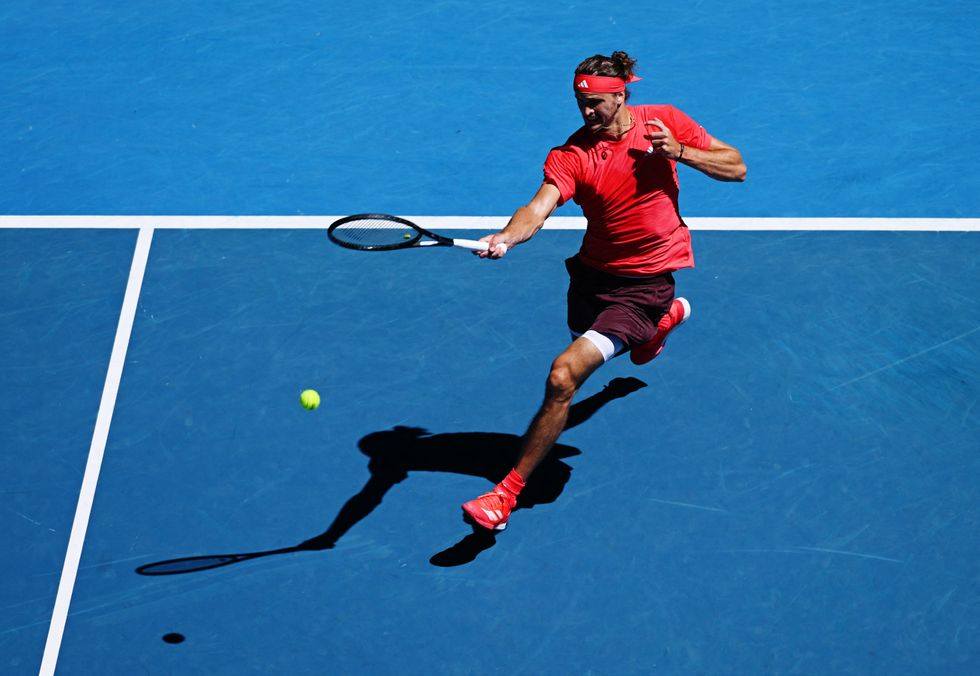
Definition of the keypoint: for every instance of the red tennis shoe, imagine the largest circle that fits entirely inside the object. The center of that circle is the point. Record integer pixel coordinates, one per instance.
(491, 510)
(680, 312)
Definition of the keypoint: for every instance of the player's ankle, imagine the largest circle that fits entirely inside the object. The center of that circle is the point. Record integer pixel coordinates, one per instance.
(512, 484)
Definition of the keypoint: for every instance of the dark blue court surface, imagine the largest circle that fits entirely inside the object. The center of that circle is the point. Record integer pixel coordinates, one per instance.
(788, 489)
(791, 488)
(59, 307)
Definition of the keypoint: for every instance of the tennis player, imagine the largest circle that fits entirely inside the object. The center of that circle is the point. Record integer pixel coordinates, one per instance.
(621, 167)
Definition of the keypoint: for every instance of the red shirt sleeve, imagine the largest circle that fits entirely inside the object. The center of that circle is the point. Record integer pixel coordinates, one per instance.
(686, 130)
(561, 170)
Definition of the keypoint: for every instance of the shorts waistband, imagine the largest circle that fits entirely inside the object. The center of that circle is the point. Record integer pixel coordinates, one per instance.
(574, 265)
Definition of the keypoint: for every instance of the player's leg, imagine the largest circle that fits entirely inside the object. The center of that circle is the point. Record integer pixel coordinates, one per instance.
(569, 370)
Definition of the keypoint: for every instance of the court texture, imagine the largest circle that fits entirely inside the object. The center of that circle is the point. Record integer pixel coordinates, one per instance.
(791, 488)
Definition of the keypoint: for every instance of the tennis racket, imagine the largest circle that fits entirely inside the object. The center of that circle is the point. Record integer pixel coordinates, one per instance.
(381, 232)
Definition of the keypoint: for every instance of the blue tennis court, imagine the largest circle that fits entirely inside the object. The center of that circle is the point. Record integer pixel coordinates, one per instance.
(789, 489)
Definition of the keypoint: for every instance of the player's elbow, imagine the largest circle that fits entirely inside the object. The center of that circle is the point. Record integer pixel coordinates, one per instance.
(738, 168)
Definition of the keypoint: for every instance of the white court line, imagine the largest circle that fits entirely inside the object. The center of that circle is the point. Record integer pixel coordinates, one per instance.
(488, 223)
(86, 495)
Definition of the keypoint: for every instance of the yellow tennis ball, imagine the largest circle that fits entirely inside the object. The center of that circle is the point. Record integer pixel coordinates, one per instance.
(309, 399)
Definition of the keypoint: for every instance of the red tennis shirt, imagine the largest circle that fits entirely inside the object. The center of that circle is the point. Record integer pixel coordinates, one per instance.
(628, 196)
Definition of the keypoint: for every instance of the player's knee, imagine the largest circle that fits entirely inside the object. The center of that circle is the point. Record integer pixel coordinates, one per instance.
(561, 381)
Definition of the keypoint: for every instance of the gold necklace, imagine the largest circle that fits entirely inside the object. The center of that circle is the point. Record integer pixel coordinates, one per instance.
(628, 127)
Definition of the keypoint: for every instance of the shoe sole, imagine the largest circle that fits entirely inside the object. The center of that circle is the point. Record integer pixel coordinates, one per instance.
(470, 519)
(687, 311)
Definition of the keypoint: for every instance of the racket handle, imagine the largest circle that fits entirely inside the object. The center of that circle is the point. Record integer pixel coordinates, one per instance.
(476, 245)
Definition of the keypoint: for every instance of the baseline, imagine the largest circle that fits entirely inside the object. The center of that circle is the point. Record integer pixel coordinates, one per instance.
(489, 223)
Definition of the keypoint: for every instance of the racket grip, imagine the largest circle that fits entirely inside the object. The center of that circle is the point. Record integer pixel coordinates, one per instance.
(476, 245)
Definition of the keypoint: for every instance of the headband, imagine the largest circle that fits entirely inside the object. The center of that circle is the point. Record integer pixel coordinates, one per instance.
(598, 84)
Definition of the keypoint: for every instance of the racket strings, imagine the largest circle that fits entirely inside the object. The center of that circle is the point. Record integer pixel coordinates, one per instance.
(375, 232)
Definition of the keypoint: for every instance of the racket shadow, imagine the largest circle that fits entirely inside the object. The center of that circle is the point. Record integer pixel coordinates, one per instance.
(399, 451)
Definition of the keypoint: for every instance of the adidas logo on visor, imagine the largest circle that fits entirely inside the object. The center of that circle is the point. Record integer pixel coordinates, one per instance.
(583, 84)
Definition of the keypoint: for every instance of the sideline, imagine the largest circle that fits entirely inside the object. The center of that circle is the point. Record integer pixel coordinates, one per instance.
(93, 466)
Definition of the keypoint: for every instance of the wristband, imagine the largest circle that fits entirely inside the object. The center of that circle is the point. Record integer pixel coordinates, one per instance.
(681, 153)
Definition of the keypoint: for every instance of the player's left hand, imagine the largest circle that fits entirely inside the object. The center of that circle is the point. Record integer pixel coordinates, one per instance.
(662, 140)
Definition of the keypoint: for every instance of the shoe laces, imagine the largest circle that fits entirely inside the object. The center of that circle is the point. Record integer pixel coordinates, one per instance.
(500, 497)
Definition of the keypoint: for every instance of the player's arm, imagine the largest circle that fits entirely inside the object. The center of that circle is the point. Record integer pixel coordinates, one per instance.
(720, 161)
(525, 222)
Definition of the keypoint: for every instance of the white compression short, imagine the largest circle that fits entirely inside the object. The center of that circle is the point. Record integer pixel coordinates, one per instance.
(609, 346)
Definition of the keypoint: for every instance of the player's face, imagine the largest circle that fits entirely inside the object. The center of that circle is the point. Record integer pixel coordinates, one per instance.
(598, 110)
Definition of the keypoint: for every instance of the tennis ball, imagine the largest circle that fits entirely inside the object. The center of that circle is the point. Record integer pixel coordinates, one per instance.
(309, 399)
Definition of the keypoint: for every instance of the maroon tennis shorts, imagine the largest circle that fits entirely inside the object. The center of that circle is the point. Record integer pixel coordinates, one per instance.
(626, 307)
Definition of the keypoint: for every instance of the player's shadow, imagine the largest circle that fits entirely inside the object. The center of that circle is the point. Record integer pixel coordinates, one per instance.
(397, 452)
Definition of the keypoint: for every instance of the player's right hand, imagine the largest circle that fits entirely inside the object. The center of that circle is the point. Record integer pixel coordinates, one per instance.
(499, 244)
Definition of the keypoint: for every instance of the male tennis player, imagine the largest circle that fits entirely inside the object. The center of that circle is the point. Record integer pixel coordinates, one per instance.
(620, 166)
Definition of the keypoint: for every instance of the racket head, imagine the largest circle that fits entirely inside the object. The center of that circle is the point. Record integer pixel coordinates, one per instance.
(374, 232)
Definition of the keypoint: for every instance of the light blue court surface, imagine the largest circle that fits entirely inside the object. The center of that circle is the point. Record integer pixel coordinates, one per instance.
(449, 107)
(789, 489)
